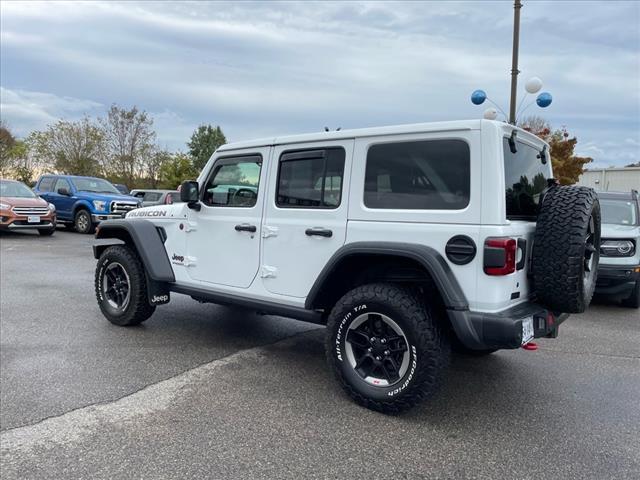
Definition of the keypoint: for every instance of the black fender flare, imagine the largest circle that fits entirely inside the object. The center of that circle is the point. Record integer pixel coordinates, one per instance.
(145, 238)
(446, 282)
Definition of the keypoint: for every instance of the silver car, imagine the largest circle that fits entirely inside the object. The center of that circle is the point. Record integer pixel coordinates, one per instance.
(156, 197)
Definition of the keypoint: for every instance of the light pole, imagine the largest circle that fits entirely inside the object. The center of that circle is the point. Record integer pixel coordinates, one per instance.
(514, 60)
(533, 85)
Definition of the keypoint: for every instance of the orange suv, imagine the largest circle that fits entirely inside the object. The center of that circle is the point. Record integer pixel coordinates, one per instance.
(21, 209)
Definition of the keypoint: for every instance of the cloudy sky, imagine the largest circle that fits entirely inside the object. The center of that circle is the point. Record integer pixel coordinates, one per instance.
(261, 69)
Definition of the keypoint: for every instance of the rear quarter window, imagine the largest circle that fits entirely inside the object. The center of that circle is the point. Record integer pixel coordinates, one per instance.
(46, 184)
(419, 175)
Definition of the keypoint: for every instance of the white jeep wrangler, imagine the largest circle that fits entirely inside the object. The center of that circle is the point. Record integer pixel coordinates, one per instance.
(405, 241)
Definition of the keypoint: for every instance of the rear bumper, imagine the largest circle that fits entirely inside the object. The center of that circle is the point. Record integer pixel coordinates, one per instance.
(617, 279)
(503, 330)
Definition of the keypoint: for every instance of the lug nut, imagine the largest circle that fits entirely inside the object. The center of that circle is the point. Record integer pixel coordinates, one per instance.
(369, 349)
(387, 352)
(384, 340)
(372, 339)
(378, 358)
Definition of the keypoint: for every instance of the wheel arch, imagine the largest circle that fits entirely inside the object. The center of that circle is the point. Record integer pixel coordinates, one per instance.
(385, 261)
(143, 236)
(81, 205)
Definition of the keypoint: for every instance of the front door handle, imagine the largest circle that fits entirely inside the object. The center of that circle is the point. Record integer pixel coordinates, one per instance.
(319, 232)
(245, 227)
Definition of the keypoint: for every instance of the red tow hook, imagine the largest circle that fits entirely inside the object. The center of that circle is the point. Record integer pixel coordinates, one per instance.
(530, 346)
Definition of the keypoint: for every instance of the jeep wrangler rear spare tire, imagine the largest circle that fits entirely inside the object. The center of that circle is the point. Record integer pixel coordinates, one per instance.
(566, 249)
(386, 347)
(121, 287)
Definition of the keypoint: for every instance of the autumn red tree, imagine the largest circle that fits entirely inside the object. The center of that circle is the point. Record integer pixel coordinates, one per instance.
(567, 167)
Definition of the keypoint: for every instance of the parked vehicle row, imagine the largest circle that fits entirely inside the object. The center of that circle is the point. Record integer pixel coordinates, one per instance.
(76, 202)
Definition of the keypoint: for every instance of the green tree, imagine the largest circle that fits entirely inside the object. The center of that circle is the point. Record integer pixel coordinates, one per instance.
(176, 170)
(204, 141)
(7, 141)
(130, 143)
(75, 148)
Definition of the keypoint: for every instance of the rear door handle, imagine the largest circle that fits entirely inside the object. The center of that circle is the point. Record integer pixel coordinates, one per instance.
(319, 232)
(245, 227)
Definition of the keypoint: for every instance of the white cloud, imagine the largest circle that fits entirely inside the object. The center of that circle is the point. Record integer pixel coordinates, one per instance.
(266, 68)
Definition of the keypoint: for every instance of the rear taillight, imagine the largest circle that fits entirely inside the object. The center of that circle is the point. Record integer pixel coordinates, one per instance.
(500, 255)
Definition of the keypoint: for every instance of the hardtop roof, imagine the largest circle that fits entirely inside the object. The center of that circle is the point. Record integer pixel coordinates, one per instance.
(365, 132)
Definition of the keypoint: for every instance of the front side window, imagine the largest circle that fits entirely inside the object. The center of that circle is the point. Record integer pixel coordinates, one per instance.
(619, 212)
(525, 177)
(46, 184)
(234, 182)
(311, 178)
(420, 175)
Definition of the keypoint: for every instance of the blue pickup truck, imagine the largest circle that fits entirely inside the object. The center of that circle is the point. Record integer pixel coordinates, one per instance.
(83, 202)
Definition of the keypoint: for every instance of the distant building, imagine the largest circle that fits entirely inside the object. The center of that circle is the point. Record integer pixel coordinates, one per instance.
(612, 179)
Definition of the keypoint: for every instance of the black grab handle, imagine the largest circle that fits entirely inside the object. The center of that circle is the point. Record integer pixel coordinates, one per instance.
(319, 232)
(245, 228)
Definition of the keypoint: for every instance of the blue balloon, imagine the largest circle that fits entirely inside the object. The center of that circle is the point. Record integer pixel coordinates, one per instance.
(544, 99)
(478, 97)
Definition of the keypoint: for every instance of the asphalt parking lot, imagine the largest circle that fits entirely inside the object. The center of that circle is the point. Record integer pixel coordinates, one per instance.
(212, 392)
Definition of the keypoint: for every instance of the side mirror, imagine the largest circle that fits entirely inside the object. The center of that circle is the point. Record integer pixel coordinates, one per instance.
(190, 194)
(64, 191)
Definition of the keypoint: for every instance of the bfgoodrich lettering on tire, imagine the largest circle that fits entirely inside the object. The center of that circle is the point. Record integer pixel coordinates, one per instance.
(121, 287)
(386, 348)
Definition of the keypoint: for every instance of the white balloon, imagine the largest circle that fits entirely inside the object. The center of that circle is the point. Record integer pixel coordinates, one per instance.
(533, 85)
(490, 113)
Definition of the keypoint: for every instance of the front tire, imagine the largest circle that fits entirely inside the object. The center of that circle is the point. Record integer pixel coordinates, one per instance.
(386, 347)
(121, 287)
(82, 222)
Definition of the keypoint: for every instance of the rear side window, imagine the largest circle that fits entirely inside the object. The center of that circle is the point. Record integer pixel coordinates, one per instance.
(422, 175)
(311, 178)
(152, 196)
(525, 178)
(46, 184)
(62, 183)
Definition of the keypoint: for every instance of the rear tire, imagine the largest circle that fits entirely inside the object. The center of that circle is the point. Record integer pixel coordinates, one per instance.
(82, 222)
(566, 249)
(633, 301)
(121, 287)
(387, 349)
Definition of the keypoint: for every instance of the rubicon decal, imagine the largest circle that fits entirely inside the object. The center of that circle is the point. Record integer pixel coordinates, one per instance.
(147, 213)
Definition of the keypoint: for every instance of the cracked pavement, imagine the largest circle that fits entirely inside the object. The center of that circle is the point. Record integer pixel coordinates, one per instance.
(207, 391)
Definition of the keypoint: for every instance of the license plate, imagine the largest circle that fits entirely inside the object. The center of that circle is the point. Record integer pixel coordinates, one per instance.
(32, 219)
(527, 330)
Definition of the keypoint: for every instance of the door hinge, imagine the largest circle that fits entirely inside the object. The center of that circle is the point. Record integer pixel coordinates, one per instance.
(190, 226)
(190, 261)
(268, 231)
(268, 271)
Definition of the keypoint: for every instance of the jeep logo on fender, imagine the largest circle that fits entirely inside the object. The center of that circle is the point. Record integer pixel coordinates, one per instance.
(147, 213)
(178, 258)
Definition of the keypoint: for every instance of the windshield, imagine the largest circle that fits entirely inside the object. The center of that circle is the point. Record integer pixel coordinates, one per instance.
(525, 178)
(15, 189)
(618, 212)
(95, 185)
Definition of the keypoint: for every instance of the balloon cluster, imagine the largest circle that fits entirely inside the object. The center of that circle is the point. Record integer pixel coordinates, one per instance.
(532, 86)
